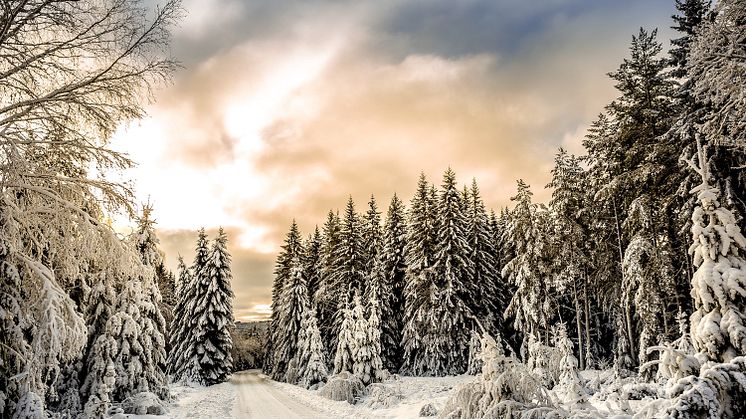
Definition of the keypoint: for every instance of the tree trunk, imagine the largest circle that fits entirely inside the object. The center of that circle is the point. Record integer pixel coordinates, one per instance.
(578, 325)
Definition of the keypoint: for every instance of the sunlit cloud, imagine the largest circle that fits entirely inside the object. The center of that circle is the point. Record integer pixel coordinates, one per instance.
(287, 108)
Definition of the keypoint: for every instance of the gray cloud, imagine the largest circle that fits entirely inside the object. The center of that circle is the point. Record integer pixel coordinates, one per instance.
(490, 89)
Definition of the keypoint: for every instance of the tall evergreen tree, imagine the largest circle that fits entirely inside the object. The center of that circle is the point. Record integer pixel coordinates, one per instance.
(312, 262)
(213, 311)
(372, 236)
(180, 330)
(420, 248)
(528, 270)
(293, 306)
(329, 293)
(292, 247)
(393, 265)
(484, 286)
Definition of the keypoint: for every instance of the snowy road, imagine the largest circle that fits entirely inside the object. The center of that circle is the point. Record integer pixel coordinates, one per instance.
(248, 395)
(256, 398)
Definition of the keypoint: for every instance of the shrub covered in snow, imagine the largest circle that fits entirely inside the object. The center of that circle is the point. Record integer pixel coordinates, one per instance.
(145, 403)
(428, 409)
(343, 386)
(381, 396)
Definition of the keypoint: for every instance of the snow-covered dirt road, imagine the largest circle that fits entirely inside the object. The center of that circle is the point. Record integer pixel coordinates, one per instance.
(256, 398)
(248, 395)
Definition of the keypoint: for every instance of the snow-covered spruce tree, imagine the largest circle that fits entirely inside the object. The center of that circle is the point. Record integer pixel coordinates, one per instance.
(212, 308)
(366, 360)
(291, 250)
(484, 285)
(349, 271)
(131, 361)
(717, 324)
(312, 361)
(328, 295)
(312, 262)
(648, 278)
(719, 284)
(345, 351)
(393, 266)
(146, 242)
(569, 380)
(51, 207)
(528, 270)
(179, 327)
(454, 276)
(570, 264)
(374, 337)
(101, 373)
(293, 304)
(420, 248)
(371, 238)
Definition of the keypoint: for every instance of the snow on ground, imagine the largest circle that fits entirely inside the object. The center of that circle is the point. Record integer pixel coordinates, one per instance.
(414, 392)
(251, 394)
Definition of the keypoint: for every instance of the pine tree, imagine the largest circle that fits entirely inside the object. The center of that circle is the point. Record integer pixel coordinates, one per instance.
(213, 311)
(718, 325)
(329, 293)
(312, 262)
(293, 304)
(283, 271)
(484, 285)
(420, 247)
(312, 359)
(371, 238)
(528, 270)
(180, 325)
(345, 351)
(394, 268)
(364, 357)
(350, 263)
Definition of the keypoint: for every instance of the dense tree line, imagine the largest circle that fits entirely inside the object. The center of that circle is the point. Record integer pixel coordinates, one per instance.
(610, 254)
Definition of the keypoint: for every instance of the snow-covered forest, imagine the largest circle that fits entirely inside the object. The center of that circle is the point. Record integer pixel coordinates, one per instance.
(624, 295)
(88, 315)
(636, 266)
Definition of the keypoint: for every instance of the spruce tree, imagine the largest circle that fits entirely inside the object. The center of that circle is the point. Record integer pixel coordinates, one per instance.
(344, 357)
(484, 286)
(313, 363)
(420, 247)
(371, 238)
(528, 270)
(213, 311)
(364, 356)
(393, 265)
(718, 322)
(180, 324)
(283, 271)
(293, 304)
(329, 293)
(349, 271)
(312, 262)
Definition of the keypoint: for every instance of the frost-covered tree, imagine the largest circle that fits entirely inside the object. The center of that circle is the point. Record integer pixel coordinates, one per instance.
(366, 359)
(291, 250)
(485, 281)
(349, 271)
(312, 262)
(393, 266)
(345, 351)
(312, 359)
(179, 337)
(371, 237)
(719, 284)
(293, 304)
(420, 250)
(528, 271)
(213, 312)
(329, 293)
(648, 278)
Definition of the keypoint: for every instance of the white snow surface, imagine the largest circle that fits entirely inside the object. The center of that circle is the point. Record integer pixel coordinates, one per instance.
(251, 394)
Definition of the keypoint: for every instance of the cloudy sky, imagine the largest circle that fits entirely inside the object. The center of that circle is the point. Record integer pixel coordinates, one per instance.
(285, 108)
